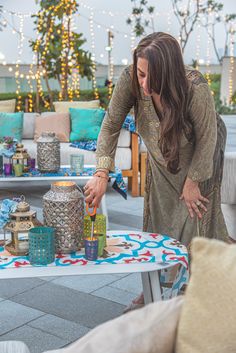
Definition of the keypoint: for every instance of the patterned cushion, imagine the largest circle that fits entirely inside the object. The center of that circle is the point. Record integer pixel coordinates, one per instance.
(85, 124)
(207, 322)
(63, 107)
(8, 106)
(11, 124)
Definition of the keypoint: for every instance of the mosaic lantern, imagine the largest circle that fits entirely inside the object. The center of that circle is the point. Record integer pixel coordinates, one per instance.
(21, 221)
(63, 209)
(48, 152)
(21, 156)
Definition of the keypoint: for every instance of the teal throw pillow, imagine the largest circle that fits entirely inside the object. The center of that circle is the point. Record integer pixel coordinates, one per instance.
(11, 124)
(85, 123)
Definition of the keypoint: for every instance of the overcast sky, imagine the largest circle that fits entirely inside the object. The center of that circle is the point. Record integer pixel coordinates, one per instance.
(164, 21)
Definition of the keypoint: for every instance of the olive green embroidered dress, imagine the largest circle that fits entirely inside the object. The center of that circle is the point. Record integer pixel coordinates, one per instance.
(201, 159)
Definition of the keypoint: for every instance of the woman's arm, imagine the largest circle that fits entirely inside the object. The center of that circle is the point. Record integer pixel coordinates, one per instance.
(121, 102)
(203, 118)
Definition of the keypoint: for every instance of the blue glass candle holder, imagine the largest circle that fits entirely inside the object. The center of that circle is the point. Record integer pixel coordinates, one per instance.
(91, 248)
(41, 245)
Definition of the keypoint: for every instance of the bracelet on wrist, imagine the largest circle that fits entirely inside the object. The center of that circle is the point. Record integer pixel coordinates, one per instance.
(101, 176)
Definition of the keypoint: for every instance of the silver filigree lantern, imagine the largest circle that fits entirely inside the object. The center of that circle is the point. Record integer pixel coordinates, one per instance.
(48, 152)
(63, 209)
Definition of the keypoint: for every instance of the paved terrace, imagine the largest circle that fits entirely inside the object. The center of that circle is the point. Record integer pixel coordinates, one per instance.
(48, 313)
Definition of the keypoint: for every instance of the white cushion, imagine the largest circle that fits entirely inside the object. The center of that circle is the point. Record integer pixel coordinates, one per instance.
(122, 159)
(8, 106)
(63, 107)
(29, 125)
(151, 329)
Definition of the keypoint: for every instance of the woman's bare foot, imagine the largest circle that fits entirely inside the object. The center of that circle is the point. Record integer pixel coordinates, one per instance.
(137, 303)
(139, 299)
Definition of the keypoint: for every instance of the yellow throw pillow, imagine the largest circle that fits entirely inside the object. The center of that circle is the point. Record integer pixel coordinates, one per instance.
(63, 107)
(8, 106)
(53, 122)
(208, 322)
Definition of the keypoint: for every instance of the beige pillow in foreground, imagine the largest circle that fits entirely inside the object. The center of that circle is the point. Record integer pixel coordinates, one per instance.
(54, 122)
(151, 329)
(8, 106)
(208, 320)
(63, 107)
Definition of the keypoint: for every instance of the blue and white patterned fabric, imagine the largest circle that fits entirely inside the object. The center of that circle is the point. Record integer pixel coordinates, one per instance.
(129, 123)
(7, 206)
(90, 145)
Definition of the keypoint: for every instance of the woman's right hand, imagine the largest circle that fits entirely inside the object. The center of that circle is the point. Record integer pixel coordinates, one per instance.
(95, 189)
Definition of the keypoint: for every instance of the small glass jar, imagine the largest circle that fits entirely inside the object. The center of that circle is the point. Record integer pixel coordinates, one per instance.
(77, 163)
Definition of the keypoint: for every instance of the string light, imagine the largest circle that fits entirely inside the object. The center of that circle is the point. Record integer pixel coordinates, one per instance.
(91, 28)
(17, 71)
(169, 21)
(208, 52)
(231, 69)
(197, 55)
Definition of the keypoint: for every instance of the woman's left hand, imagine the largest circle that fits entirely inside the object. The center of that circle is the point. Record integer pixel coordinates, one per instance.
(194, 200)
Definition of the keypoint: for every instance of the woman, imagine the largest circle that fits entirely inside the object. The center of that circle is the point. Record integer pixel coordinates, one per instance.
(185, 140)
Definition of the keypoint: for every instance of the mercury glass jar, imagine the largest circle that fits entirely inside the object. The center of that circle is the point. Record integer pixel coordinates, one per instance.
(63, 209)
(48, 152)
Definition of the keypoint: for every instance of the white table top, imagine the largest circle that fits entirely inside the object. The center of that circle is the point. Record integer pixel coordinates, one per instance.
(128, 251)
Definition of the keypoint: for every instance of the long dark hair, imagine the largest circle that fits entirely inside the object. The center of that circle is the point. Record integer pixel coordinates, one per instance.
(166, 77)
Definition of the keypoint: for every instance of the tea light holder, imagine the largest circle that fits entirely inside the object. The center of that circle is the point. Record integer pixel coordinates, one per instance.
(7, 169)
(77, 163)
(41, 245)
(91, 248)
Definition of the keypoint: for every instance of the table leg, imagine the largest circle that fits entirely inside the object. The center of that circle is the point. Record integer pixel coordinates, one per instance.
(151, 286)
(104, 210)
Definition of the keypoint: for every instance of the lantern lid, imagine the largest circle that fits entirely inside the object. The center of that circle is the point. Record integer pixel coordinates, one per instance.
(23, 206)
(21, 152)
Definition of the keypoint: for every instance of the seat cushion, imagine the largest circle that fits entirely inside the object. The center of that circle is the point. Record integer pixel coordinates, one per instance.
(207, 321)
(63, 107)
(11, 124)
(85, 123)
(29, 125)
(8, 106)
(59, 123)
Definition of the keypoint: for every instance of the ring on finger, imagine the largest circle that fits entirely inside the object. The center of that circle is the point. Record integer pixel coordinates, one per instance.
(198, 203)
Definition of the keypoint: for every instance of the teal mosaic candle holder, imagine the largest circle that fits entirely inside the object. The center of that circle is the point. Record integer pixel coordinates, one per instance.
(41, 245)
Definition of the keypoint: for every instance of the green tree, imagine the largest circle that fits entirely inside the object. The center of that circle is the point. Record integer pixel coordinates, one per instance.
(137, 20)
(58, 48)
